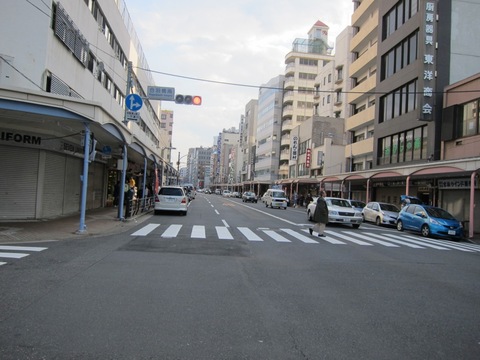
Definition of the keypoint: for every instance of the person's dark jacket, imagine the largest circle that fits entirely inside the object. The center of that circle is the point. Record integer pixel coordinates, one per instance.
(321, 211)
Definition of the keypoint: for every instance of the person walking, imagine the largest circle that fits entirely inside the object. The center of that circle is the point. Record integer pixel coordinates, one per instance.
(320, 216)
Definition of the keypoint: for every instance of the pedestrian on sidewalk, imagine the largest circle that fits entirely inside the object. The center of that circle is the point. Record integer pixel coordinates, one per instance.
(320, 216)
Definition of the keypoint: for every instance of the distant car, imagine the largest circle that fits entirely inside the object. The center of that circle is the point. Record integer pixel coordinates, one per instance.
(275, 198)
(429, 221)
(171, 198)
(356, 204)
(381, 213)
(236, 194)
(226, 193)
(339, 212)
(249, 196)
(218, 192)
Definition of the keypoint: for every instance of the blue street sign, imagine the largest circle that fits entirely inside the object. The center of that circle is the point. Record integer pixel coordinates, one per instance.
(133, 102)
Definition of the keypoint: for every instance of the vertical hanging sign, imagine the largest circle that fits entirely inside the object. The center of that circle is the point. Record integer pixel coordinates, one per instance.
(294, 148)
(429, 60)
(308, 158)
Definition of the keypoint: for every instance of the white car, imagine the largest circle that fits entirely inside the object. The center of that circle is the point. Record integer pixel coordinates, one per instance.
(275, 198)
(171, 198)
(381, 213)
(226, 193)
(339, 212)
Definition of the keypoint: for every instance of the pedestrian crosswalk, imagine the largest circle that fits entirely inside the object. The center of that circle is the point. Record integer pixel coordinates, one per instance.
(301, 235)
(8, 252)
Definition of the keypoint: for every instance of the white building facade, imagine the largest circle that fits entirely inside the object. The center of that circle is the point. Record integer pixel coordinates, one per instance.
(63, 89)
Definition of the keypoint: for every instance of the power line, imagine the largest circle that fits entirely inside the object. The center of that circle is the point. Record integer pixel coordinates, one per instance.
(313, 91)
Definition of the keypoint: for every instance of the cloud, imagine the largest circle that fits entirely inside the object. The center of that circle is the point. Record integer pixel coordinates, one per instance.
(241, 42)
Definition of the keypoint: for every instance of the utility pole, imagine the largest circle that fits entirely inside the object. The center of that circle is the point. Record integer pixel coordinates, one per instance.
(178, 169)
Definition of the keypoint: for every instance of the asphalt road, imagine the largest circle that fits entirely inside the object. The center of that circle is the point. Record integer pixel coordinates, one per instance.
(240, 281)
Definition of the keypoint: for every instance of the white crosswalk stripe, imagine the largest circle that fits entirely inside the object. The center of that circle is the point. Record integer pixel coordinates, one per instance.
(198, 232)
(396, 241)
(369, 238)
(146, 230)
(172, 231)
(223, 233)
(17, 252)
(249, 234)
(298, 234)
(300, 237)
(349, 238)
(276, 236)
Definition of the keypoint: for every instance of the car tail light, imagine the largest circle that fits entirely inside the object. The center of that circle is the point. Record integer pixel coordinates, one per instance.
(184, 200)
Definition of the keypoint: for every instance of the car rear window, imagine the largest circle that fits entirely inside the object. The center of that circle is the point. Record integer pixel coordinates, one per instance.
(170, 192)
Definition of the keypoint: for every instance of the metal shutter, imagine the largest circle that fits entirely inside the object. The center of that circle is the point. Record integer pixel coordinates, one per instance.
(18, 182)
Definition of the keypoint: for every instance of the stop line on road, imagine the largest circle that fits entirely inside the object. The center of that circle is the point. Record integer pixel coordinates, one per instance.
(17, 252)
(286, 235)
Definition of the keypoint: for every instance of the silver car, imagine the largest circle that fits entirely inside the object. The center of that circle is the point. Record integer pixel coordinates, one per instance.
(381, 213)
(339, 212)
(171, 198)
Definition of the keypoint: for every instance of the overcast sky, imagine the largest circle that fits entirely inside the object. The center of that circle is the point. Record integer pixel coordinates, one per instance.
(236, 41)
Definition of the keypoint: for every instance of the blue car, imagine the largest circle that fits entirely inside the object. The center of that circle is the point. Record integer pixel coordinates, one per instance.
(429, 221)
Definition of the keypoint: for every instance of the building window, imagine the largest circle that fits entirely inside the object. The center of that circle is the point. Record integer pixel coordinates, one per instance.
(403, 147)
(470, 120)
(391, 105)
(397, 16)
(400, 56)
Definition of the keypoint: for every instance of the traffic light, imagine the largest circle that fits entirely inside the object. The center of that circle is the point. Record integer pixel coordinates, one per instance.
(188, 99)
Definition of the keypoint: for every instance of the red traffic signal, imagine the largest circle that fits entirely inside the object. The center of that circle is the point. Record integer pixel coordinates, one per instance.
(188, 99)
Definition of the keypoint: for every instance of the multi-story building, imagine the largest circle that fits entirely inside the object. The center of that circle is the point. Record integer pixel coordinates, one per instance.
(166, 134)
(302, 65)
(362, 73)
(198, 167)
(248, 131)
(64, 85)
(267, 155)
(224, 167)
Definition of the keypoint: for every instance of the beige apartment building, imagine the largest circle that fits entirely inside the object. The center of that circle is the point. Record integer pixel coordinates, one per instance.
(302, 65)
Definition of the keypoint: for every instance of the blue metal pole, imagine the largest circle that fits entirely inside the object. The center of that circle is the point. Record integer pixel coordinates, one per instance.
(122, 189)
(84, 178)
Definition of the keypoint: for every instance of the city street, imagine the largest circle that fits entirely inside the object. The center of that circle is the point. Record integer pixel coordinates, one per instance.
(234, 280)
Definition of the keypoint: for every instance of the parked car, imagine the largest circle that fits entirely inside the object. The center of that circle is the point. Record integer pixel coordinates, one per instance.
(429, 221)
(275, 198)
(249, 196)
(171, 198)
(236, 194)
(381, 213)
(339, 212)
(226, 193)
(218, 192)
(356, 204)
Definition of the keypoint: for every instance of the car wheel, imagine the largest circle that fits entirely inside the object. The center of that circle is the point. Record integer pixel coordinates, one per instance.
(266, 205)
(399, 225)
(309, 215)
(356, 226)
(378, 222)
(284, 208)
(156, 212)
(425, 230)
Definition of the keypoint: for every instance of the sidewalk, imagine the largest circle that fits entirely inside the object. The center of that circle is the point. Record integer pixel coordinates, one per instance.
(98, 222)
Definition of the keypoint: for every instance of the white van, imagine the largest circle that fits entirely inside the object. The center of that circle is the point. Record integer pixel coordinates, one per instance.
(275, 198)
